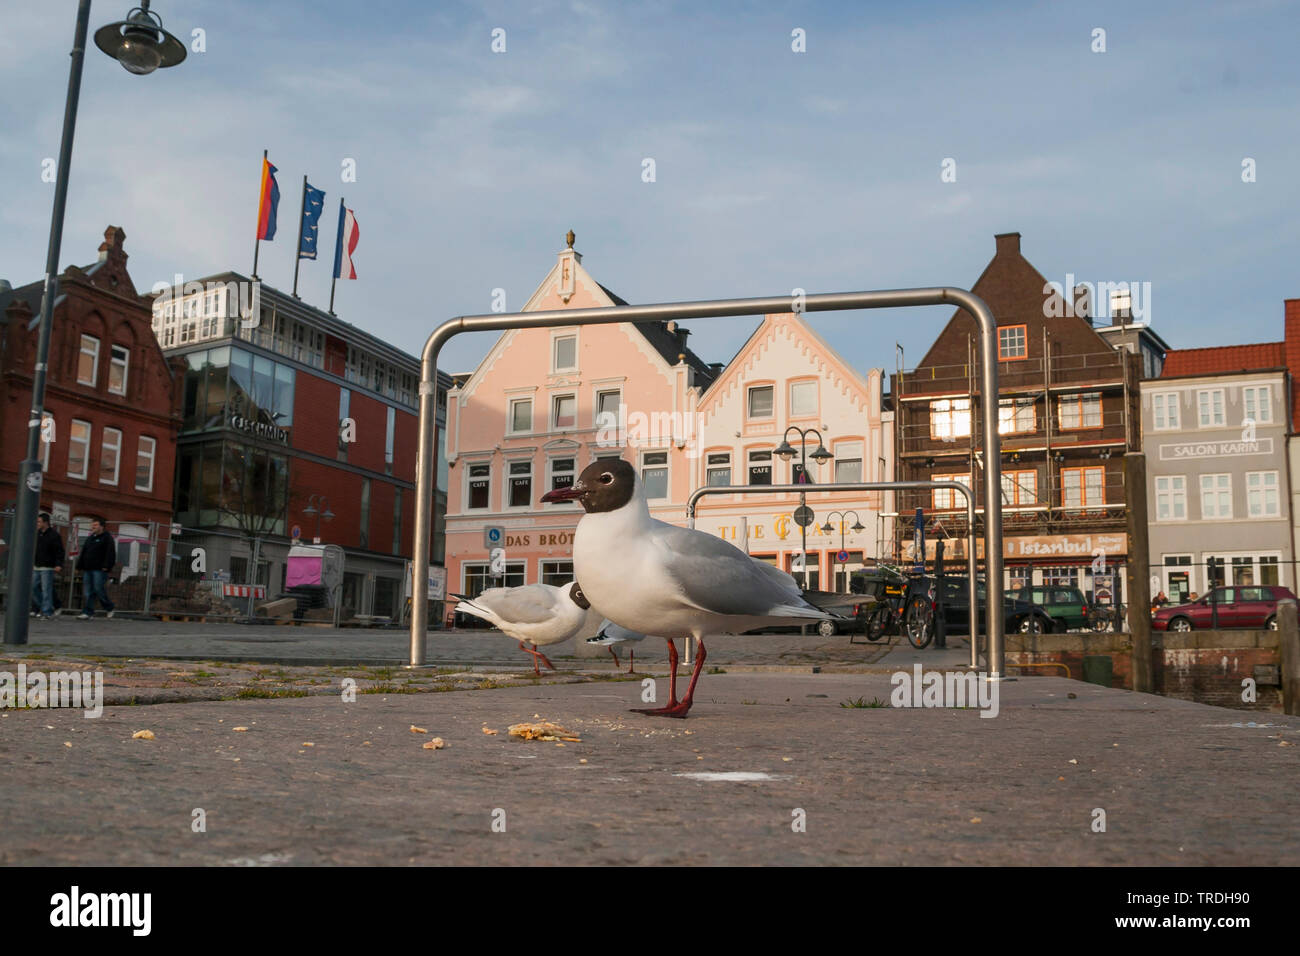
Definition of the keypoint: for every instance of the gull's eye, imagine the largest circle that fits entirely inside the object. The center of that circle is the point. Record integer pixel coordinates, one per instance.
(606, 478)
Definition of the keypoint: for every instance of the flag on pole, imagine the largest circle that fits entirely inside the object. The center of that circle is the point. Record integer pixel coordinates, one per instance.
(313, 204)
(346, 244)
(269, 202)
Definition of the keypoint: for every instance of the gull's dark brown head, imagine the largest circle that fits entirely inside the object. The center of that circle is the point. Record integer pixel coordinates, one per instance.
(577, 597)
(606, 484)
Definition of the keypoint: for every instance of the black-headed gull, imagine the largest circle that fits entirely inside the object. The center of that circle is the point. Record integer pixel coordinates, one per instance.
(656, 578)
(536, 614)
(611, 634)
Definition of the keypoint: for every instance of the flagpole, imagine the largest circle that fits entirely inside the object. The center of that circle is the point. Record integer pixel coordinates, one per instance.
(257, 243)
(337, 242)
(302, 213)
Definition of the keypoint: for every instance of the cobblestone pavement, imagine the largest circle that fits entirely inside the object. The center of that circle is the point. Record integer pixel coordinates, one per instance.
(66, 636)
(318, 780)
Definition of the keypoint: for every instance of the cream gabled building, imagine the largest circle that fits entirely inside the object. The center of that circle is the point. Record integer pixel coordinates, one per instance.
(786, 374)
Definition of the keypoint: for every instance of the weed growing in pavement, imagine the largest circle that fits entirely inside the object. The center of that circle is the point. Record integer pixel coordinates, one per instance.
(390, 689)
(863, 702)
(249, 693)
(715, 670)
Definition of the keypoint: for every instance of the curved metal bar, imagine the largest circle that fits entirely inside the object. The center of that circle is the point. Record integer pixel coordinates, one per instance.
(426, 455)
(966, 493)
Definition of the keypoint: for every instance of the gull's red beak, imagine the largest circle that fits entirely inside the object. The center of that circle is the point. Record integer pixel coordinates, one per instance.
(563, 494)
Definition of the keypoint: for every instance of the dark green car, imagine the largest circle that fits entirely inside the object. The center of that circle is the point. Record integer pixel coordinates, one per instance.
(1065, 605)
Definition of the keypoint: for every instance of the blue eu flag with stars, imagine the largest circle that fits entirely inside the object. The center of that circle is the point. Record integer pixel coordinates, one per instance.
(313, 204)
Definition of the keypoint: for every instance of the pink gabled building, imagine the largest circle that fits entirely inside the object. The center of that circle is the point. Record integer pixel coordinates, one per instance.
(527, 421)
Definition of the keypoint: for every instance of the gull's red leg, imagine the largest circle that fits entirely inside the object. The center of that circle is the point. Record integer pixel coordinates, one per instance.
(528, 650)
(672, 684)
(544, 658)
(680, 709)
(617, 662)
(631, 664)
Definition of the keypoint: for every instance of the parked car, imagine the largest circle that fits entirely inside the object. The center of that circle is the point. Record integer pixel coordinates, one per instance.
(1237, 606)
(918, 615)
(1065, 605)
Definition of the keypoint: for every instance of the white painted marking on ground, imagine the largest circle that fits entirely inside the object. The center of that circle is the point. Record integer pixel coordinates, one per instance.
(729, 776)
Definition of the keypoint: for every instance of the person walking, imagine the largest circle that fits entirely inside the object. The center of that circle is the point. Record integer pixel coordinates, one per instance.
(48, 559)
(98, 555)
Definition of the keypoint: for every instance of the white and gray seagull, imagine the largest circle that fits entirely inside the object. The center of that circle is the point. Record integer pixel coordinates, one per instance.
(535, 614)
(656, 578)
(611, 634)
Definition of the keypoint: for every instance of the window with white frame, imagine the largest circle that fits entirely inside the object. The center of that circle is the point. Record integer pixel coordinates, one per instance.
(718, 469)
(1257, 403)
(1020, 488)
(390, 436)
(1216, 496)
(119, 362)
(607, 403)
(557, 573)
(563, 473)
(146, 452)
(564, 353)
(521, 484)
(950, 418)
(1209, 406)
(564, 411)
(1164, 411)
(803, 399)
(947, 498)
(1171, 498)
(761, 401)
(521, 415)
(1080, 411)
(479, 478)
(1083, 487)
(78, 448)
(848, 461)
(1016, 416)
(88, 361)
(654, 473)
(110, 453)
(1261, 494)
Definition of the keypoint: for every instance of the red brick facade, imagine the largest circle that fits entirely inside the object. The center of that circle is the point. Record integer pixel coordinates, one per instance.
(101, 302)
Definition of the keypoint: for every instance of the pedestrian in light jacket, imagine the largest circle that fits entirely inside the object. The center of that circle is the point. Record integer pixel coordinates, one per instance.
(98, 555)
(47, 560)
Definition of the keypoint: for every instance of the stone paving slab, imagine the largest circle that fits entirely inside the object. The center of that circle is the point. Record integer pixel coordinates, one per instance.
(315, 780)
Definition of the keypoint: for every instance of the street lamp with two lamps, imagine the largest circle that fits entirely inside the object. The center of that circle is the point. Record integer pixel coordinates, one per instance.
(319, 506)
(803, 515)
(844, 516)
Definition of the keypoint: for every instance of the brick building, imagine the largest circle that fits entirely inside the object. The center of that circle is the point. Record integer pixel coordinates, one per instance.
(1067, 411)
(294, 423)
(112, 403)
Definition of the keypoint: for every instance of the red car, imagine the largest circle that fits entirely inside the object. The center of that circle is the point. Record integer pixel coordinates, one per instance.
(1252, 607)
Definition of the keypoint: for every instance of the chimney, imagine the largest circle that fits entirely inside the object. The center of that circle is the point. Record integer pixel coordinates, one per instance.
(1082, 302)
(680, 332)
(1008, 243)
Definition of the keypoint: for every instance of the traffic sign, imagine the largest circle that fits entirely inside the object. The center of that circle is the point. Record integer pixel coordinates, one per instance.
(295, 532)
(494, 536)
(842, 557)
(803, 516)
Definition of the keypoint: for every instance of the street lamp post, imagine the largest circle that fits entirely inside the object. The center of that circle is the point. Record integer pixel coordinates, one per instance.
(141, 45)
(319, 506)
(844, 516)
(821, 456)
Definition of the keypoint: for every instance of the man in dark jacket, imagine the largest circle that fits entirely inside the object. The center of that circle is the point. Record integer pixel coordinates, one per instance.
(98, 555)
(48, 559)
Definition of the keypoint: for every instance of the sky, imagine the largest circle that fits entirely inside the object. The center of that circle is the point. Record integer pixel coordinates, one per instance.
(773, 169)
